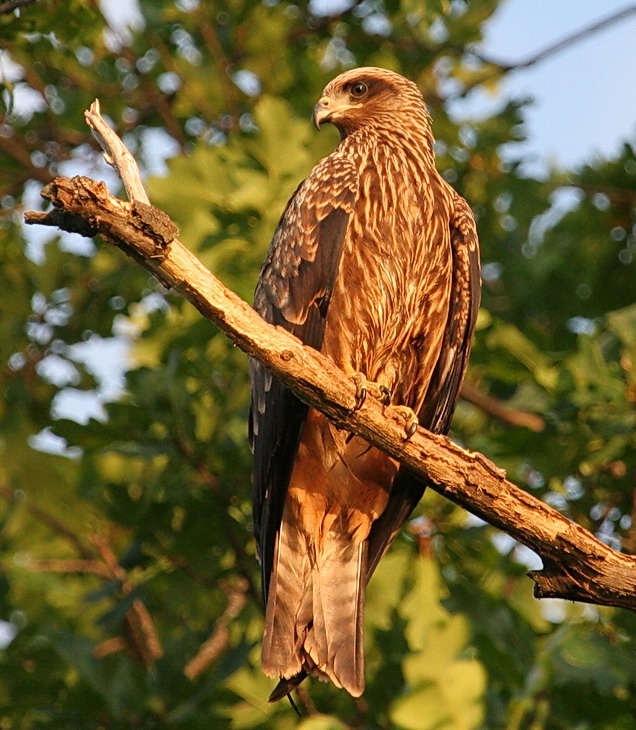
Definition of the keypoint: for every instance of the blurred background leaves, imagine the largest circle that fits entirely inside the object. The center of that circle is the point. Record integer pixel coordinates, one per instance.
(129, 593)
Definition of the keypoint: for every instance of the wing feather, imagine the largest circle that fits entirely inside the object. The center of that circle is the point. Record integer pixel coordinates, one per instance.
(293, 292)
(443, 389)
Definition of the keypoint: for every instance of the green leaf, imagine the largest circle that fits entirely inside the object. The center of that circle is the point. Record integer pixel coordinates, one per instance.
(421, 608)
(517, 344)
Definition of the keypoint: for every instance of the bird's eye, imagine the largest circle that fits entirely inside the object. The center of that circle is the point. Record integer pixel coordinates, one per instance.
(359, 89)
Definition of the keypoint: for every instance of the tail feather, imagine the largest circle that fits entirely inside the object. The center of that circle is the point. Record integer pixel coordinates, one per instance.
(314, 618)
(285, 598)
(335, 641)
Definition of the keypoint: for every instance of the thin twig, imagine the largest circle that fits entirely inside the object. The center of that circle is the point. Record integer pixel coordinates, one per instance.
(139, 628)
(9, 495)
(305, 700)
(138, 623)
(618, 196)
(158, 101)
(496, 408)
(217, 643)
(223, 66)
(56, 565)
(9, 7)
(198, 95)
(109, 646)
(22, 155)
(212, 481)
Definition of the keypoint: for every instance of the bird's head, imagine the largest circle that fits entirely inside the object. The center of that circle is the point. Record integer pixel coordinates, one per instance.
(367, 96)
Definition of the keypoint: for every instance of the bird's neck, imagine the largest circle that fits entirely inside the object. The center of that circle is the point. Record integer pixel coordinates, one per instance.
(415, 141)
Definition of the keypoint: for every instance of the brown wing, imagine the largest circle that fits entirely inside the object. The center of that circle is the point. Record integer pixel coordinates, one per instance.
(446, 381)
(293, 291)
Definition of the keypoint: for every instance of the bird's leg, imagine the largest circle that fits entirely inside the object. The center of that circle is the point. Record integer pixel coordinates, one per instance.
(364, 386)
(384, 395)
(411, 421)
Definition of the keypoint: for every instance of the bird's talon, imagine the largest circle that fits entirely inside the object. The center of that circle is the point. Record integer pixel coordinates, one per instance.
(361, 390)
(361, 396)
(410, 430)
(411, 421)
(364, 386)
(385, 395)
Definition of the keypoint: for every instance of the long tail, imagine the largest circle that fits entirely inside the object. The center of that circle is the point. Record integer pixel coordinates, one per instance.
(314, 617)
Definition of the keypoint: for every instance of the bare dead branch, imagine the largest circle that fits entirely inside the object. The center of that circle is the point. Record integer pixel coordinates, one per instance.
(577, 565)
(116, 154)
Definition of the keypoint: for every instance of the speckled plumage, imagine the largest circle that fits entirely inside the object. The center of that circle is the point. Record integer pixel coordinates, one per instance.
(375, 263)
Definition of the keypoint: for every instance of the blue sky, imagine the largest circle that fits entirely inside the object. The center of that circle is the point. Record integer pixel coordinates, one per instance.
(585, 96)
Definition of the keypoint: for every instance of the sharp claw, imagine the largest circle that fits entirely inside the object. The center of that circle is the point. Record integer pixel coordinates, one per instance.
(363, 386)
(361, 391)
(410, 430)
(385, 395)
(361, 396)
(410, 420)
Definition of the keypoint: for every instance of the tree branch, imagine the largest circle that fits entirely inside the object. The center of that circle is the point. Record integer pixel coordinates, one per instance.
(218, 641)
(139, 632)
(10, 7)
(497, 409)
(62, 565)
(10, 495)
(577, 565)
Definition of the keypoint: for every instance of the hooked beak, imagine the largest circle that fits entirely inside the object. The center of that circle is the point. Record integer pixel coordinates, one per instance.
(322, 111)
(329, 110)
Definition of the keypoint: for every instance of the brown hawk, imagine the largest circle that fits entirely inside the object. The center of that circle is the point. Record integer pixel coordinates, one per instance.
(375, 263)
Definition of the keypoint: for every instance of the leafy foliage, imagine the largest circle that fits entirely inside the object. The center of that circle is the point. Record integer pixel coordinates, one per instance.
(129, 587)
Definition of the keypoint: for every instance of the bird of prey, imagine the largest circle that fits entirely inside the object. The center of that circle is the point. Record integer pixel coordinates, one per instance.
(374, 263)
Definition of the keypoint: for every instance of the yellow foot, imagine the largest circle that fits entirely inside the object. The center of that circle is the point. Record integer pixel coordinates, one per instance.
(364, 386)
(411, 421)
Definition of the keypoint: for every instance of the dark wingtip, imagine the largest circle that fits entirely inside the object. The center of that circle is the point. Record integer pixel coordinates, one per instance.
(285, 686)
